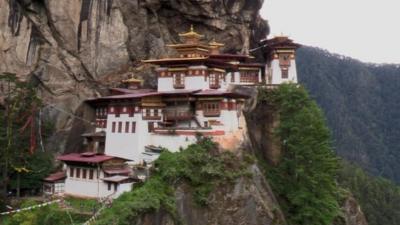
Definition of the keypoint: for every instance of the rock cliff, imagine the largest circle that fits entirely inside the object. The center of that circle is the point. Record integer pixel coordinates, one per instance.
(249, 201)
(75, 49)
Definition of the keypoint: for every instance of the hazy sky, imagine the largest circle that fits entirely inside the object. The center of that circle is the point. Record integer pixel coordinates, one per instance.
(368, 30)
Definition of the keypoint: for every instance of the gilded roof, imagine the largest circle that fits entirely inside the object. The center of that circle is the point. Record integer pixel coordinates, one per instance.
(191, 33)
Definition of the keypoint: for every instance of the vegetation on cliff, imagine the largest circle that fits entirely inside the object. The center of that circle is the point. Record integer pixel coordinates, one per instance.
(379, 198)
(304, 179)
(361, 104)
(200, 166)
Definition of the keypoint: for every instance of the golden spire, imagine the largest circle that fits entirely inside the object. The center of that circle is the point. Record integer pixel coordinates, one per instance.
(191, 33)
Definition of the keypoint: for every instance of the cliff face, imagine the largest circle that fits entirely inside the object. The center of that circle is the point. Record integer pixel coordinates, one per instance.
(75, 49)
(249, 201)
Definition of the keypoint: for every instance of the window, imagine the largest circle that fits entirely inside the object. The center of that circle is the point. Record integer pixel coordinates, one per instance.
(126, 127)
(285, 73)
(117, 111)
(133, 127)
(205, 123)
(115, 187)
(284, 60)
(148, 113)
(119, 127)
(179, 80)
(211, 109)
(91, 174)
(113, 127)
(131, 111)
(78, 172)
(248, 77)
(155, 112)
(83, 173)
(150, 127)
(109, 186)
(71, 172)
(214, 80)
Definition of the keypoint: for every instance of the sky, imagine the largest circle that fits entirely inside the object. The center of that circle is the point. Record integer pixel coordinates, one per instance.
(368, 30)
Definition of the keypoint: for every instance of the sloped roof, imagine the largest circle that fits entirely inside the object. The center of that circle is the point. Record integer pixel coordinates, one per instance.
(87, 157)
(56, 176)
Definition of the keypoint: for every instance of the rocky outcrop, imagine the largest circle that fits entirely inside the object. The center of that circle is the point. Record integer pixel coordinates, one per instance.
(249, 201)
(262, 119)
(74, 49)
(352, 212)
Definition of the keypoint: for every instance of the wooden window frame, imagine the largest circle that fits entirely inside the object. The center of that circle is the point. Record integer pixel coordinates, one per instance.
(133, 128)
(114, 124)
(78, 172)
(285, 73)
(71, 171)
(248, 77)
(211, 109)
(179, 80)
(150, 127)
(213, 80)
(84, 173)
(127, 127)
(119, 127)
(91, 174)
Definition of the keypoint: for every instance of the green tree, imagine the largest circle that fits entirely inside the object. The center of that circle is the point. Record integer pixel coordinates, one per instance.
(304, 179)
(379, 198)
(18, 158)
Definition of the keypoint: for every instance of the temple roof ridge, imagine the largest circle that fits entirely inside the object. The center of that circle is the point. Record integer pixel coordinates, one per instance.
(191, 33)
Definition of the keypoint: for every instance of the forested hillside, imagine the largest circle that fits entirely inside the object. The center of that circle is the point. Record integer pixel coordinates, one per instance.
(362, 105)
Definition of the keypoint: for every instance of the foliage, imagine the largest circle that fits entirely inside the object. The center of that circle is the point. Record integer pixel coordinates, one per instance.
(38, 164)
(379, 198)
(47, 215)
(82, 205)
(361, 103)
(20, 164)
(200, 166)
(304, 179)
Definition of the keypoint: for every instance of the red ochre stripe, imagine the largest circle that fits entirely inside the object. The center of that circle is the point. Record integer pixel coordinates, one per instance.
(191, 133)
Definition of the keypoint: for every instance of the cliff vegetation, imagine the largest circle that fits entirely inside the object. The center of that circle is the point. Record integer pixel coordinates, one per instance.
(304, 178)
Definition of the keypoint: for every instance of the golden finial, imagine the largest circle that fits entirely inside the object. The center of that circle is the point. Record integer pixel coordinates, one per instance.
(213, 43)
(191, 33)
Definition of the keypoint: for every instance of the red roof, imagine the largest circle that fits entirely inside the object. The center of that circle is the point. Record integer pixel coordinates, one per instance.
(211, 92)
(56, 176)
(85, 157)
(146, 94)
(118, 171)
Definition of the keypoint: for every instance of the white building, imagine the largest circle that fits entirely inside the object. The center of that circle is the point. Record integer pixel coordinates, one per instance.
(193, 98)
(280, 53)
(91, 175)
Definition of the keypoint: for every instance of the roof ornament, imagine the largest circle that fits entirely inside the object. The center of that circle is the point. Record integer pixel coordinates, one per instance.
(191, 33)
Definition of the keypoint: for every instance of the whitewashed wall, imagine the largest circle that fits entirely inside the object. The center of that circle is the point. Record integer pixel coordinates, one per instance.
(277, 73)
(128, 145)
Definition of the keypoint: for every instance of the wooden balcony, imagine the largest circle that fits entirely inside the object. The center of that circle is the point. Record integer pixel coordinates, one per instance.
(177, 115)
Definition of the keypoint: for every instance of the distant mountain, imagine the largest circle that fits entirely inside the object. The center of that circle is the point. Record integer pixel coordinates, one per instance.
(362, 105)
